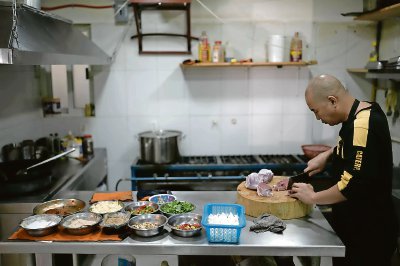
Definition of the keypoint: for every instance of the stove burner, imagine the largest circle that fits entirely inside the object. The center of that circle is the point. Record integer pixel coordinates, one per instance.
(198, 160)
(239, 159)
(235, 160)
(280, 159)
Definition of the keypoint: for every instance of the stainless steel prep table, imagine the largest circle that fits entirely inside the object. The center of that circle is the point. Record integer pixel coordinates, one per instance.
(308, 236)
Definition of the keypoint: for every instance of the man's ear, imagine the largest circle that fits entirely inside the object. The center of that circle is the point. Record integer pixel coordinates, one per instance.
(332, 99)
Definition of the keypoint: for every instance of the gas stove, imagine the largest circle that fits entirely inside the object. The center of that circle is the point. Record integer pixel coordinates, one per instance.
(223, 172)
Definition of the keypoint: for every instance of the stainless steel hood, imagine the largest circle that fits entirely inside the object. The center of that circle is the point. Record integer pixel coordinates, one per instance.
(34, 37)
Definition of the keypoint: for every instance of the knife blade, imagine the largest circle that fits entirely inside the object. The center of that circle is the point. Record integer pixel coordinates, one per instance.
(300, 178)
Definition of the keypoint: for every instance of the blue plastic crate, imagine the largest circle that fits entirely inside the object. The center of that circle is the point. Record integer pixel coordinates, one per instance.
(217, 233)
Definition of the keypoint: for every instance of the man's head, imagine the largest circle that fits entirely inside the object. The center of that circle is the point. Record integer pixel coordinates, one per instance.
(328, 99)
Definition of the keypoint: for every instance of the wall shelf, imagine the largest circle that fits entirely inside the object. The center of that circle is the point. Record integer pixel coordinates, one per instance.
(375, 75)
(357, 70)
(381, 14)
(250, 64)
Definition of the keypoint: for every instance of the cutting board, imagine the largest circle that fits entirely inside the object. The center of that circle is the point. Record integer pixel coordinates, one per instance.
(280, 204)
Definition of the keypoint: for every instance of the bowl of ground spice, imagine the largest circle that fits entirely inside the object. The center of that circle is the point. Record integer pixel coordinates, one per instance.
(115, 223)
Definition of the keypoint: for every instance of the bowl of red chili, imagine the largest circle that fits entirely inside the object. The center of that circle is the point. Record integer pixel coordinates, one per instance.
(142, 207)
(185, 224)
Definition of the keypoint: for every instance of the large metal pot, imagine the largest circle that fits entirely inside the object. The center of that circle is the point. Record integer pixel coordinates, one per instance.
(161, 146)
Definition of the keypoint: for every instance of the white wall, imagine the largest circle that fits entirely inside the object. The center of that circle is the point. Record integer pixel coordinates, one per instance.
(220, 110)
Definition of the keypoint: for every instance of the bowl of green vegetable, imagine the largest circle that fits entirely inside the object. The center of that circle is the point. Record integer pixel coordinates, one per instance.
(176, 207)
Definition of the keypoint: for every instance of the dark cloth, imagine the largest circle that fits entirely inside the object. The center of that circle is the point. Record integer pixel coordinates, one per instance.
(268, 222)
(362, 164)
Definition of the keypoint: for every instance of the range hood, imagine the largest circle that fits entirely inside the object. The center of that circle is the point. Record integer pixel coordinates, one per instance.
(34, 37)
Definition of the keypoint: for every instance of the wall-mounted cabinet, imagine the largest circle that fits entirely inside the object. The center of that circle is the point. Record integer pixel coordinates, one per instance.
(250, 64)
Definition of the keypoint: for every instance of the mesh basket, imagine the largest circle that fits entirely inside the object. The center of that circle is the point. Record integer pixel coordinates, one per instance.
(218, 233)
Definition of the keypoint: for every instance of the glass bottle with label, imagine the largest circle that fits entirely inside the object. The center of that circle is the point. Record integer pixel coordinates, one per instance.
(218, 52)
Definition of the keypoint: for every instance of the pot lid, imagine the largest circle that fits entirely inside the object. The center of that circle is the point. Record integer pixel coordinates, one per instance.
(160, 134)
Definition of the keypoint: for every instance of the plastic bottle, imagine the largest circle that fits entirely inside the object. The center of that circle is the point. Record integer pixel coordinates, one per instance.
(204, 48)
(373, 55)
(56, 144)
(296, 47)
(218, 52)
(87, 146)
(229, 54)
(51, 144)
(71, 143)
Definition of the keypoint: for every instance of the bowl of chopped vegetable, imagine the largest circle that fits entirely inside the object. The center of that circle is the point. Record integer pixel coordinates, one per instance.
(185, 224)
(162, 198)
(142, 207)
(147, 225)
(176, 207)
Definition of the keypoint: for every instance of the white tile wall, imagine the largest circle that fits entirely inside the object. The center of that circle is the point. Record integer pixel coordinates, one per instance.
(220, 110)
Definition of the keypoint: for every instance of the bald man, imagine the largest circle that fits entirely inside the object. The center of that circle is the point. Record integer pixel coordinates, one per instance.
(362, 163)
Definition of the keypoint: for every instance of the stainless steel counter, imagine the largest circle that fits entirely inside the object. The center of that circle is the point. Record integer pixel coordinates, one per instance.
(308, 236)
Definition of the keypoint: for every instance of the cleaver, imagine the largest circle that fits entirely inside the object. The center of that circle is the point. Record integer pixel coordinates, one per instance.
(300, 178)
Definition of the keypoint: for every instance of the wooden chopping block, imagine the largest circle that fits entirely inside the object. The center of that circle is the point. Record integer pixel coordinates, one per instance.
(280, 204)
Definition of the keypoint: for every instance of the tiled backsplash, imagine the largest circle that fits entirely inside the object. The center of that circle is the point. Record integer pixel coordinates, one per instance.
(220, 110)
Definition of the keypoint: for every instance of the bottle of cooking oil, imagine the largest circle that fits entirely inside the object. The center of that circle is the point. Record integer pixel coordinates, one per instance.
(296, 47)
(204, 48)
(373, 55)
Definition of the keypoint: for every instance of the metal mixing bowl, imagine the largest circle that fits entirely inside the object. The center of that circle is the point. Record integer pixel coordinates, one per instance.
(119, 205)
(159, 219)
(61, 207)
(162, 198)
(185, 218)
(111, 228)
(91, 217)
(168, 214)
(131, 208)
(49, 221)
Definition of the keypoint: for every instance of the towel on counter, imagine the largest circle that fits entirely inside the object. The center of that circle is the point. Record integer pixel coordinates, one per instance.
(268, 222)
(119, 195)
(62, 236)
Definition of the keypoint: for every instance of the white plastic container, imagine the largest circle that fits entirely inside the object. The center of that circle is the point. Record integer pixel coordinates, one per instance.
(276, 48)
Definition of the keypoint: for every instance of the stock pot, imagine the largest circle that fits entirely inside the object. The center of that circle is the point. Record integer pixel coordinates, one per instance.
(160, 146)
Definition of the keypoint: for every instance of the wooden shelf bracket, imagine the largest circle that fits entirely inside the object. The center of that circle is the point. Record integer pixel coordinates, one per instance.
(141, 5)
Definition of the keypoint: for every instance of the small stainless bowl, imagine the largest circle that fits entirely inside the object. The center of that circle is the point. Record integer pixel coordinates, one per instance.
(106, 206)
(135, 206)
(162, 198)
(108, 223)
(185, 218)
(159, 219)
(93, 218)
(168, 214)
(63, 207)
(41, 224)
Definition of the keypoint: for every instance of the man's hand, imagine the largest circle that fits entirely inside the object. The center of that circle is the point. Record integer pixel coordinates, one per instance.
(303, 192)
(318, 163)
